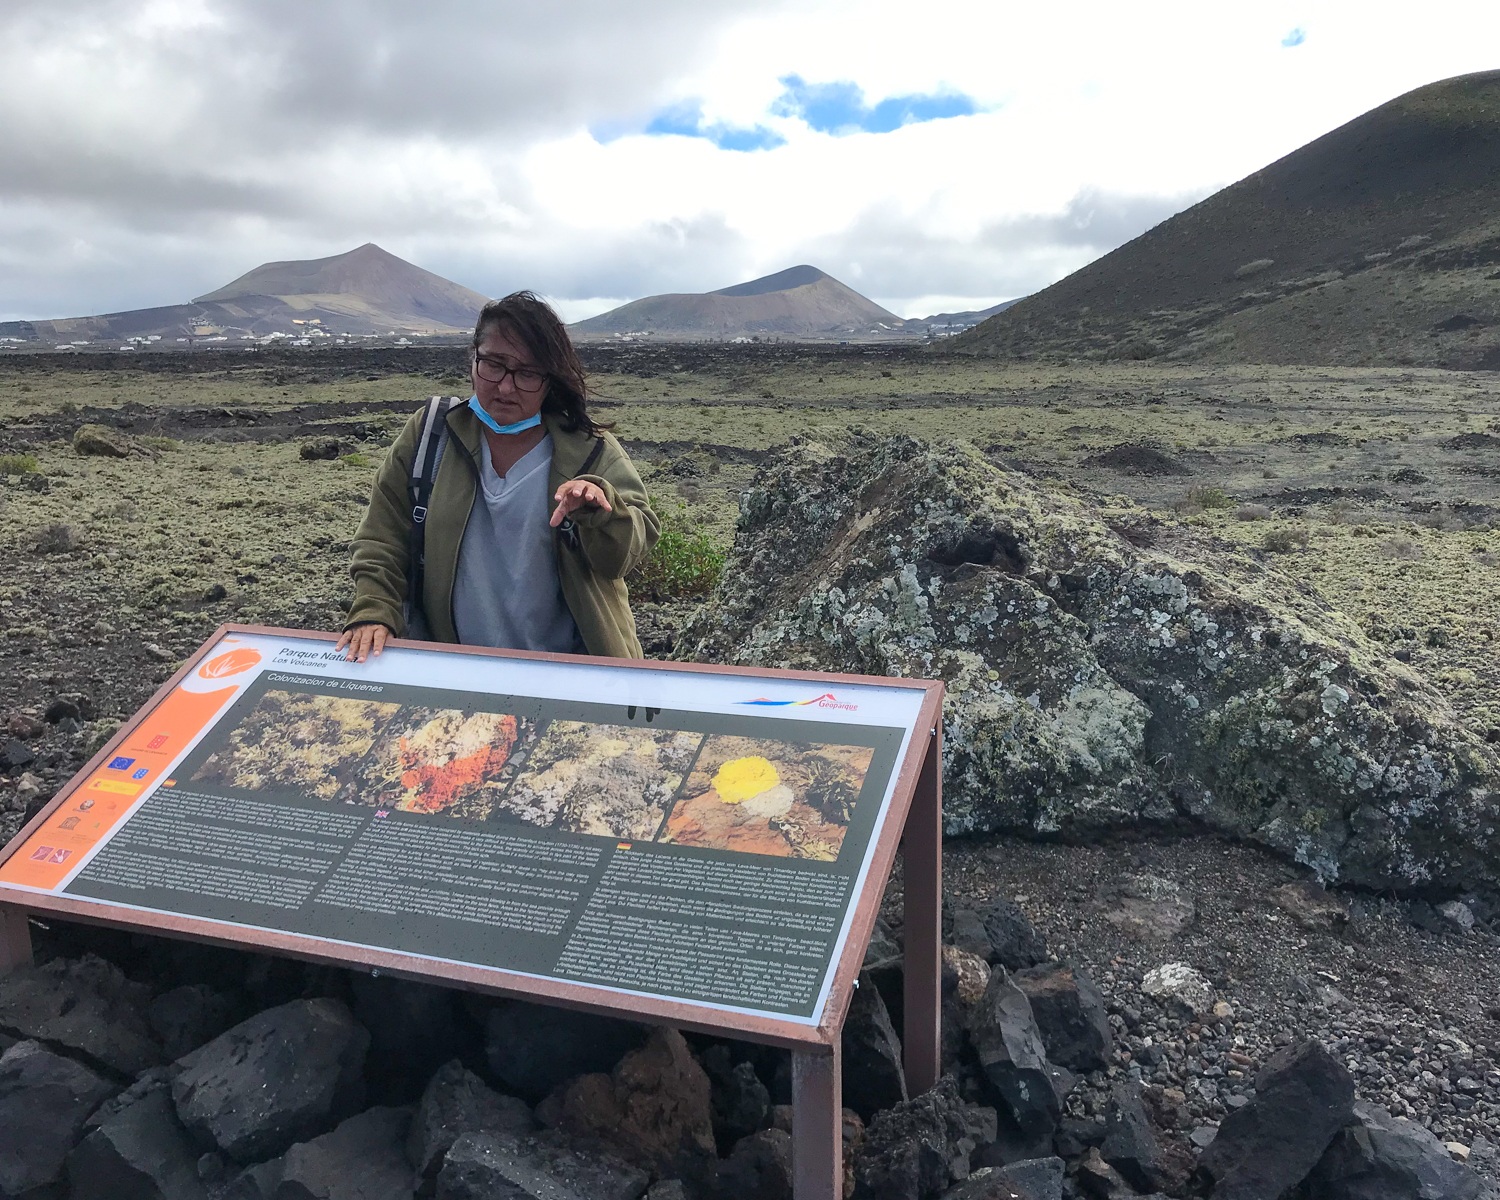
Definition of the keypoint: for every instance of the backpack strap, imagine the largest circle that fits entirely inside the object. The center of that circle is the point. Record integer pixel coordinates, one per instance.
(425, 462)
(593, 456)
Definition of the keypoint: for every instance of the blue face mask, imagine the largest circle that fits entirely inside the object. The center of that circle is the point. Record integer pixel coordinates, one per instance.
(520, 426)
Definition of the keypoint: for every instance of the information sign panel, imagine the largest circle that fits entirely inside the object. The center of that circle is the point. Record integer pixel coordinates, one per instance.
(699, 844)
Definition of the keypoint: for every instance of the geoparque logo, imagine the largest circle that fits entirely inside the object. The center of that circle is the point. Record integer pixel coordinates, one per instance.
(826, 700)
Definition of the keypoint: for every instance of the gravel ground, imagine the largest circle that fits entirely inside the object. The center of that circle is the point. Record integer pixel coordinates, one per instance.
(1413, 1012)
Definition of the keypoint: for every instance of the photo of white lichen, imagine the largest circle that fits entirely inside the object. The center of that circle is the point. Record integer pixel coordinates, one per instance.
(610, 780)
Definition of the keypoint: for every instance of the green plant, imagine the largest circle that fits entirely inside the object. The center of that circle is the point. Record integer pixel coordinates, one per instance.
(1401, 547)
(56, 538)
(684, 563)
(1204, 497)
(1279, 541)
(17, 464)
(1210, 497)
(161, 443)
(357, 459)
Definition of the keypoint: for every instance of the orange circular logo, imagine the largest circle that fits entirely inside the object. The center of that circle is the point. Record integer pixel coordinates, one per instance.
(230, 663)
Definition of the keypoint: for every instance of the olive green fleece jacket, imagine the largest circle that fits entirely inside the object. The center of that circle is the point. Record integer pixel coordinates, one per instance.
(593, 556)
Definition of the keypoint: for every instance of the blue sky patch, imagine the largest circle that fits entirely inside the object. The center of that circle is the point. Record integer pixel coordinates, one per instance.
(1295, 38)
(840, 108)
(686, 120)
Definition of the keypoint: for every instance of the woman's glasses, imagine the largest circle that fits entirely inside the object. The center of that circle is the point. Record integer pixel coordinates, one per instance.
(494, 370)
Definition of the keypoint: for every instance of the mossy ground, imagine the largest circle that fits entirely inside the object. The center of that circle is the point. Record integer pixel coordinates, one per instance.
(1400, 524)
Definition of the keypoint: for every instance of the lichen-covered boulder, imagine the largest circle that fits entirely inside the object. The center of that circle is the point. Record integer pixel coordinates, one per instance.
(101, 440)
(1093, 684)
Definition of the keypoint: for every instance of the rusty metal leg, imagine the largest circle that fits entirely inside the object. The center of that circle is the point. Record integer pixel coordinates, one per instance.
(922, 876)
(818, 1125)
(15, 939)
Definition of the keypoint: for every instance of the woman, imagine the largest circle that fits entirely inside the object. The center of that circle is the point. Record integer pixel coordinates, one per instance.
(536, 516)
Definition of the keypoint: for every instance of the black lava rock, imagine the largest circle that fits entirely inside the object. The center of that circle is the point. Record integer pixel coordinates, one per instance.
(1303, 1096)
(285, 1075)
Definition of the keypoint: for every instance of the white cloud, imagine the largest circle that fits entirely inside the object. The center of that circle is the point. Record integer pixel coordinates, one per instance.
(155, 150)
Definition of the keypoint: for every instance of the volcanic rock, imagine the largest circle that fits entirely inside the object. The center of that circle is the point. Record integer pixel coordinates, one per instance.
(965, 976)
(85, 1005)
(532, 1048)
(484, 1166)
(183, 1018)
(759, 1167)
(967, 933)
(1070, 1013)
(653, 1109)
(414, 1029)
(1303, 1097)
(1093, 685)
(1312, 906)
(1030, 1179)
(44, 1101)
(1101, 1181)
(1151, 908)
(1381, 1157)
(1013, 1057)
(140, 1151)
(258, 1182)
(740, 1101)
(320, 449)
(102, 441)
(1035, 1178)
(457, 1102)
(873, 1074)
(359, 1160)
(1014, 941)
(1132, 1148)
(1178, 986)
(916, 1149)
(285, 1075)
(15, 754)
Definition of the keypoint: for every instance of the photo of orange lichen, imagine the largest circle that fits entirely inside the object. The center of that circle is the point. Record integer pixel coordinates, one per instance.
(608, 780)
(758, 796)
(295, 742)
(438, 760)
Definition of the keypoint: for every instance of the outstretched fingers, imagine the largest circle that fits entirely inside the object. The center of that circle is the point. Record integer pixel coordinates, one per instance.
(576, 494)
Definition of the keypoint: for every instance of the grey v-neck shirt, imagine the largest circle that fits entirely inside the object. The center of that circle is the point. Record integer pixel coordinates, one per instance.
(506, 592)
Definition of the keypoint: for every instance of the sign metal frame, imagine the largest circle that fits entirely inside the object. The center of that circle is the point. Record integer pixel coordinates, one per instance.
(912, 826)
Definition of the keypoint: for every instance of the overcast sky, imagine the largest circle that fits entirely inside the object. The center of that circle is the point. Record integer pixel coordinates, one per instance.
(934, 156)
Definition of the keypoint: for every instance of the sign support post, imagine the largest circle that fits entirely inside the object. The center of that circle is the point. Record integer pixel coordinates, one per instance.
(15, 939)
(922, 877)
(818, 1124)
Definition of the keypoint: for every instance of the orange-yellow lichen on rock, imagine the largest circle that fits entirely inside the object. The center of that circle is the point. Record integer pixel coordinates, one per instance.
(741, 778)
(437, 786)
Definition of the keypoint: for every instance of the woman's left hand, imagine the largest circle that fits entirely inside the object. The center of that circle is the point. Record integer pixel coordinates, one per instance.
(576, 494)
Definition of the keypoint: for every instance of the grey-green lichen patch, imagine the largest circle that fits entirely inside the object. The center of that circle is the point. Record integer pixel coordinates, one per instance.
(1093, 685)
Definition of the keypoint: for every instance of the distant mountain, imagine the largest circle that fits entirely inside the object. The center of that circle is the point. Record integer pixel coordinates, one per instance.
(801, 303)
(956, 321)
(361, 292)
(1378, 243)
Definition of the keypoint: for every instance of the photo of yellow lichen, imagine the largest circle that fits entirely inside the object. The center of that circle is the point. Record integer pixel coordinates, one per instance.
(295, 742)
(438, 760)
(608, 780)
(758, 796)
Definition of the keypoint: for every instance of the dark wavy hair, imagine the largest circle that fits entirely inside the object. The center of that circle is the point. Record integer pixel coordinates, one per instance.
(530, 320)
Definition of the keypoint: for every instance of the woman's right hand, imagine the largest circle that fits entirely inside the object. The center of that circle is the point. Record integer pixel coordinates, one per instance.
(360, 641)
